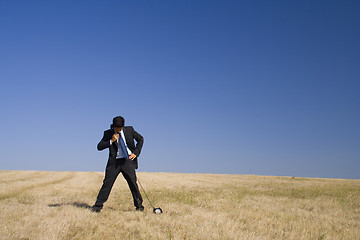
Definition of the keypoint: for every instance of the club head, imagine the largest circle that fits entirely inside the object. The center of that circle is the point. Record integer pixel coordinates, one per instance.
(157, 211)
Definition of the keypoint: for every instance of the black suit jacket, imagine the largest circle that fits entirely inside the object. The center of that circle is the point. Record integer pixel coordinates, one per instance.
(130, 136)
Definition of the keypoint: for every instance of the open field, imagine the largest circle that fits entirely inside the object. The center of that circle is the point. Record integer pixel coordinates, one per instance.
(54, 205)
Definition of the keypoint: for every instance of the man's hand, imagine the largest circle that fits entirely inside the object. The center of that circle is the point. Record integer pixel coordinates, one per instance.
(115, 137)
(132, 156)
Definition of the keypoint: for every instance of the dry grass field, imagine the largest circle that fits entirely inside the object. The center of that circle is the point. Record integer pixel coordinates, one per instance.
(55, 205)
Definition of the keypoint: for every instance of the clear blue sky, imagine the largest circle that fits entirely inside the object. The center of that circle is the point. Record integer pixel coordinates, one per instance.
(238, 87)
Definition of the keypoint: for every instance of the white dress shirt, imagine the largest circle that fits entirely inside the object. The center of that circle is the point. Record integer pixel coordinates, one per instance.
(119, 153)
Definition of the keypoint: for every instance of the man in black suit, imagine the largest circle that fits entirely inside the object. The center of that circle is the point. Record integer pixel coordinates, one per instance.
(123, 157)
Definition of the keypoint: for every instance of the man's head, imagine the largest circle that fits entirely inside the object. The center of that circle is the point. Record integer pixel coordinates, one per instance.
(118, 123)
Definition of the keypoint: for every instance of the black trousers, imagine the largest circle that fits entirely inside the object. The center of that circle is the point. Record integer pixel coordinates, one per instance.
(127, 168)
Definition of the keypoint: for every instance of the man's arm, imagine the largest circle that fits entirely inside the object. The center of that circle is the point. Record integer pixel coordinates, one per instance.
(105, 142)
(139, 142)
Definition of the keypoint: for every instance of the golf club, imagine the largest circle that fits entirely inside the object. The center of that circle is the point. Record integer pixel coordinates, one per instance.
(155, 210)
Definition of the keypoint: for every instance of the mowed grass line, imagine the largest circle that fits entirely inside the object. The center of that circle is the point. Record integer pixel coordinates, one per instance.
(18, 176)
(21, 190)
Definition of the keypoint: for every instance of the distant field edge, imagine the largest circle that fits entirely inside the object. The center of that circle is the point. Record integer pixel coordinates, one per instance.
(194, 173)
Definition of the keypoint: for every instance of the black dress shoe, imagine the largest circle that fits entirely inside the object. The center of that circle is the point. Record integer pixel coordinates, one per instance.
(95, 209)
(140, 209)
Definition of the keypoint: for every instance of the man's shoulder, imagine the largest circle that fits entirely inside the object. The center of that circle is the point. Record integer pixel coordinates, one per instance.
(128, 129)
(109, 131)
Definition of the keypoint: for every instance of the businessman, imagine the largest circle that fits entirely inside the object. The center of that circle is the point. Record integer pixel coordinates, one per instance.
(123, 157)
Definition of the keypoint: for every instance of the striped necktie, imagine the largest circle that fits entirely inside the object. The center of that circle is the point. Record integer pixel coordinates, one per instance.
(123, 147)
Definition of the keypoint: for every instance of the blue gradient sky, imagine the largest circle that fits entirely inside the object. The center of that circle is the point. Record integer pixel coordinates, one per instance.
(238, 87)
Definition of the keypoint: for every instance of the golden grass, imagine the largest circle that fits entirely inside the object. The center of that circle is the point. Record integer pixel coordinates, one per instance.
(54, 205)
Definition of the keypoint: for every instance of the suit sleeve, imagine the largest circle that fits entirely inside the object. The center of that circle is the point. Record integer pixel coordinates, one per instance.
(104, 142)
(139, 143)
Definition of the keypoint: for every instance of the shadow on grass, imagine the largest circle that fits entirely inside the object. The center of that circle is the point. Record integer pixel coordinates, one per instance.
(83, 205)
(75, 204)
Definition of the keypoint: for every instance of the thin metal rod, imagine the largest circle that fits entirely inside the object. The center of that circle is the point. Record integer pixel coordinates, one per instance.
(145, 192)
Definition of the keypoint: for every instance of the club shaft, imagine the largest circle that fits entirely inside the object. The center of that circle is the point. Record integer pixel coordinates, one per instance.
(145, 193)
